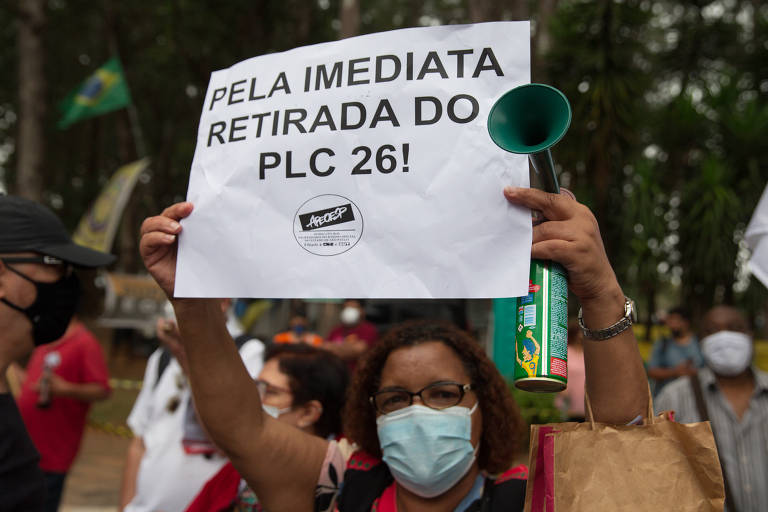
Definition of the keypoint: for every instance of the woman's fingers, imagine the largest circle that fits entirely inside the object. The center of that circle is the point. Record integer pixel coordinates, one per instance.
(554, 229)
(552, 206)
(178, 211)
(160, 224)
(167, 222)
(155, 240)
(556, 250)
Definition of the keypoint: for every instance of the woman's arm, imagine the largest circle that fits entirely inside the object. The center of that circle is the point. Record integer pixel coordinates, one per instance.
(131, 471)
(616, 381)
(282, 464)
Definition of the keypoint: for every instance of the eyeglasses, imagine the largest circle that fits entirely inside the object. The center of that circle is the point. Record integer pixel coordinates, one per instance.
(39, 260)
(42, 260)
(267, 389)
(438, 395)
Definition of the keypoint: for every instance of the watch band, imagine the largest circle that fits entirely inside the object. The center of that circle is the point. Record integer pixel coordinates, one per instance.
(609, 332)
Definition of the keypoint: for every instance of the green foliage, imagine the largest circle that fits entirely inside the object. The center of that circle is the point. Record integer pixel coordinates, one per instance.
(667, 142)
(536, 408)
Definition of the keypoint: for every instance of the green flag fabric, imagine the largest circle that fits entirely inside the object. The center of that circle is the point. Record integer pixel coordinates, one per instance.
(104, 91)
(504, 316)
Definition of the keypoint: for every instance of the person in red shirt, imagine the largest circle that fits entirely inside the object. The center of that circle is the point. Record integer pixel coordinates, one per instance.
(61, 381)
(354, 335)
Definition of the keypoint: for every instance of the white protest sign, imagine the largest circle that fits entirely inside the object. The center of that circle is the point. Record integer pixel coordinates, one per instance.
(757, 239)
(360, 168)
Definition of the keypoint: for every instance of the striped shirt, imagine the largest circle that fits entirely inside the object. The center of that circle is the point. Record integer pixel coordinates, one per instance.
(742, 444)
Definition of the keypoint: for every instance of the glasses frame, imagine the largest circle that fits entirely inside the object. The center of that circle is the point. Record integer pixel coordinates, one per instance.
(41, 260)
(463, 388)
(264, 385)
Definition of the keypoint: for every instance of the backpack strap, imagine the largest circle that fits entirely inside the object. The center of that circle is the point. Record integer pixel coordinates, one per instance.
(165, 356)
(701, 406)
(242, 340)
(162, 364)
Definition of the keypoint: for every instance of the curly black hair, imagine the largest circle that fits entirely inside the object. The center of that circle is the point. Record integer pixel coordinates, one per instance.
(502, 424)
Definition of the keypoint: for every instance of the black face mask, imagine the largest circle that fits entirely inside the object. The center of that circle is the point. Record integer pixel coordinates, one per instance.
(677, 333)
(53, 308)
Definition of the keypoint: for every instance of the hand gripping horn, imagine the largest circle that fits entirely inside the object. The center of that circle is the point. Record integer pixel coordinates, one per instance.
(530, 119)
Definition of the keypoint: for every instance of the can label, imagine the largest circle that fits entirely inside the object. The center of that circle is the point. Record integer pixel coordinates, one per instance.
(541, 330)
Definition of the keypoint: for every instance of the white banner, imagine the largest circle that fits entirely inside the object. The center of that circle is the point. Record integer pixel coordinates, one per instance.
(360, 168)
(757, 239)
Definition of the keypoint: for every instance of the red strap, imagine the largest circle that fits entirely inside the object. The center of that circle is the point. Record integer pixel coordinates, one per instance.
(219, 492)
(516, 473)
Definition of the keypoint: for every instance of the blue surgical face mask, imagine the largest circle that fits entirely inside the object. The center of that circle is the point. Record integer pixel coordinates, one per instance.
(428, 451)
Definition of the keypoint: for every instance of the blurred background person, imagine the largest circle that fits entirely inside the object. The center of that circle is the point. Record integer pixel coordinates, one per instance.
(351, 338)
(60, 383)
(298, 332)
(300, 386)
(167, 461)
(676, 355)
(571, 400)
(733, 395)
(39, 292)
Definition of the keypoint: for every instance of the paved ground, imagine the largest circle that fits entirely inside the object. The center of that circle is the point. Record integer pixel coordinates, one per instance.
(93, 484)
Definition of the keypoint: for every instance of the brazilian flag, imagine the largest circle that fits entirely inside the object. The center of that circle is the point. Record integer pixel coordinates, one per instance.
(104, 91)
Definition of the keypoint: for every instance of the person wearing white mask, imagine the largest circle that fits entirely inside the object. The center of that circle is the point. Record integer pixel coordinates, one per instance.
(354, 335)
(300, 386)
(733, 395)
(170, 456)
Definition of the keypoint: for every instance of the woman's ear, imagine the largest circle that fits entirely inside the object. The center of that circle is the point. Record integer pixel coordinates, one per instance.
(309, 413)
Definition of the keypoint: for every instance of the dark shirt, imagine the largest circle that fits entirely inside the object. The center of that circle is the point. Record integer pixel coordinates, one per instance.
(21, 480)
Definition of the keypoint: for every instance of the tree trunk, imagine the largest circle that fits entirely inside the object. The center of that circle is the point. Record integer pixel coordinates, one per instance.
(483, 10)
(518, 10)
(543, 37)
(413, 13)
(650, 297)
(302, 13)
(350, 18)
(31, 142)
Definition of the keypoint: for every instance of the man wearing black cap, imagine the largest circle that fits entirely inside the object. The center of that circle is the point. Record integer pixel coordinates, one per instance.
(38, 296)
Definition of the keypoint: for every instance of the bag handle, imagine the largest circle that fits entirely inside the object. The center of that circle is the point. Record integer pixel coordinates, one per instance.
(701, 406)
(650, 418)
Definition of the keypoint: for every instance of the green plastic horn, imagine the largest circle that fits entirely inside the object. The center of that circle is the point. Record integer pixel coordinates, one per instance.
(529, 120)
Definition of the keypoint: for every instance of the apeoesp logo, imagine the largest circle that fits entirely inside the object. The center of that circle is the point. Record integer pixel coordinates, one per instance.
(327, 217)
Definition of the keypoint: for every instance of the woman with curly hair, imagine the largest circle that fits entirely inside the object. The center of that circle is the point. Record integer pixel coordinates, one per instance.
(429, 410)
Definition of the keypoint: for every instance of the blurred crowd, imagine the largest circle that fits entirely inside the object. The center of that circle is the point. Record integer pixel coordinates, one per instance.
(223, 415)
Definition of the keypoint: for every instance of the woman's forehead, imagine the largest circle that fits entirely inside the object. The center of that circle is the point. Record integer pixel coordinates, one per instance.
(416, 366)
(271, 374)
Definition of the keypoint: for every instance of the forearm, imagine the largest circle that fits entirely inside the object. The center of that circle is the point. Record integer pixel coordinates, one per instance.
(660, 373)
(132, 461)
(226, 397)
(615, 377)
(279, 462)
(88, 392)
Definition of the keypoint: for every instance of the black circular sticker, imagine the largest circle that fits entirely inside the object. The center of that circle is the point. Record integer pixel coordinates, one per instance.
(328, 225)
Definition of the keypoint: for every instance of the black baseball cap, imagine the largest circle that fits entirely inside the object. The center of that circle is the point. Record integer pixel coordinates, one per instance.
(27, 226)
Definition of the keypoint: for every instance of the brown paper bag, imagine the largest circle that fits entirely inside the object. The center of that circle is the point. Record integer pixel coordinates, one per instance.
(594, 467)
